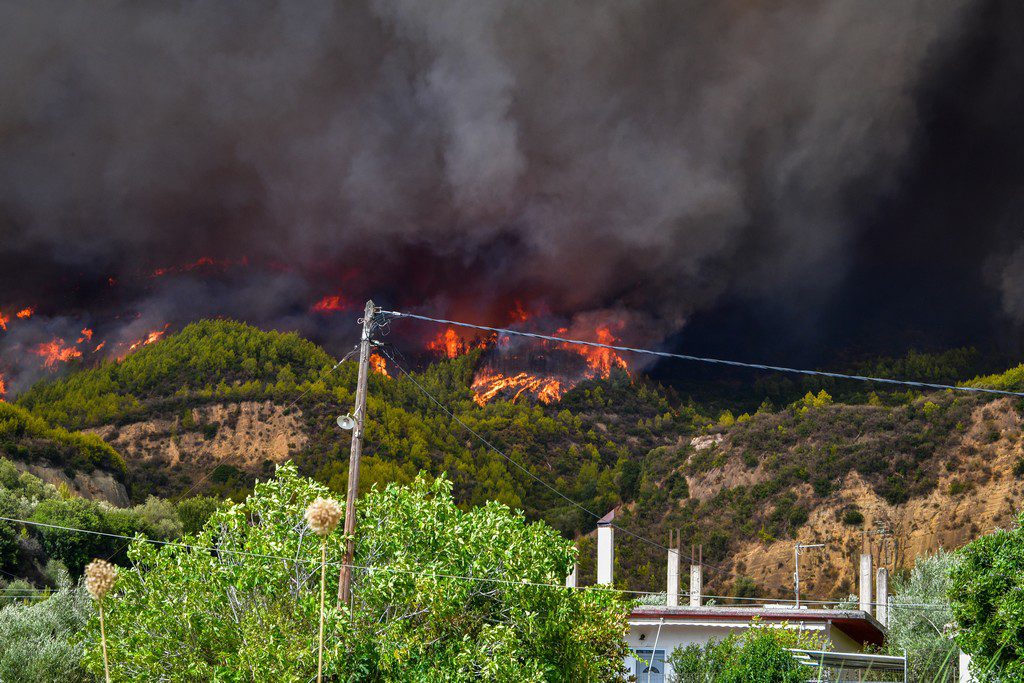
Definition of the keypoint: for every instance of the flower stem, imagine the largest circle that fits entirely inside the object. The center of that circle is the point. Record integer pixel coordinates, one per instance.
(103, 642)
(323, 587)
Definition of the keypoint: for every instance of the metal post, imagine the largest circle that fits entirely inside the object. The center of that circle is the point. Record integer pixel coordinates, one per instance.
(672, 589)
(796, 574)
(345, 575)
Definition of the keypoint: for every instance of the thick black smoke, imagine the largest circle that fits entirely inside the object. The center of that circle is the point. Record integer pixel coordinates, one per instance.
(650, 158)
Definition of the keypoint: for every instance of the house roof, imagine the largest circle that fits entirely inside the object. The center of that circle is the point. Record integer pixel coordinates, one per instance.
(858, 625)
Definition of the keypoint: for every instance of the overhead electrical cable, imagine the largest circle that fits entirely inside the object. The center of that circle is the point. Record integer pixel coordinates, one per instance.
(413, 572)
(704, 359)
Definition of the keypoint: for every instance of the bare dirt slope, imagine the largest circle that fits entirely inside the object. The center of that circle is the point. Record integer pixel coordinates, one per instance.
(976, 492)
(188, 446)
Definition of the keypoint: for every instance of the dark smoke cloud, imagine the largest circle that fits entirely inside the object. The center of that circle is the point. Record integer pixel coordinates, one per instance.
(646, 156)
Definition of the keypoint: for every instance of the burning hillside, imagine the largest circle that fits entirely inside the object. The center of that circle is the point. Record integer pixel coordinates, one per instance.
(513, 368)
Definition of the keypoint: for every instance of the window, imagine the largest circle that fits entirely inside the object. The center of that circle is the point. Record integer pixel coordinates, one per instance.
(650, 666)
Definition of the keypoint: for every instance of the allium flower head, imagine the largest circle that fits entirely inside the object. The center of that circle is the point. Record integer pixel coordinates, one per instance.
(100, 576)
(323, 515)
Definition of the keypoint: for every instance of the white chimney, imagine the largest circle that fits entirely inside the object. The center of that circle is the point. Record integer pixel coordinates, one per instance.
(672, 589)
(696, 581)
(605, 549)
(696, 576)
(570, 581)
(882, 596)
(865, 582)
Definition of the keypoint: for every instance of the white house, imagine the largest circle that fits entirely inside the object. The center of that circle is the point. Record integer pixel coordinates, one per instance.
(656, 630)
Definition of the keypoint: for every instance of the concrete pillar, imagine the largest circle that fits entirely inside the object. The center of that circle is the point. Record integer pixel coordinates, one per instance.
(965, 668)
(865, 582)
(672, 590)
(570, 581)
(605, 552)
(696, 584)
(882, 596)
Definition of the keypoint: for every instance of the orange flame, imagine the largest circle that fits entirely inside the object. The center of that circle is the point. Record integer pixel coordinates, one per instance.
(379, 365)
(99, 346)
(331, 303)
(601, 361)
(202, 261)
(86, 335)
(149, 338)
(3, 321)
(3, 387)
(26, 312)
(54, 351)
(488, 384)
(449, 344)
(518, 314)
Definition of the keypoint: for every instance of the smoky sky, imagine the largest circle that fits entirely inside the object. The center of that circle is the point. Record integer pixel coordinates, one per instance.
(817, 171)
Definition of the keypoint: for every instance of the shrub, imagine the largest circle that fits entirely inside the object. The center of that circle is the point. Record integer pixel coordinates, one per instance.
(853, 517)
(1018, 467)
(758, 656)
(986, 592)
(40, 641)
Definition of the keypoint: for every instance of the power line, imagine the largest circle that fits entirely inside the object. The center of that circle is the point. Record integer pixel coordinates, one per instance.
(494, 448)
(704, 359)
(414, 572)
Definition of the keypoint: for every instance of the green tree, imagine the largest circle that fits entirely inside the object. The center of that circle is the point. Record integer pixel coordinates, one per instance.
(987, 596)
(760, 655)
(919, 628)
(41, 641)
(441, 594)
(195, 511)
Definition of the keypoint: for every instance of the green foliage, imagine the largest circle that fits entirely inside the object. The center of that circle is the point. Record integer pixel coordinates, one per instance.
(1018, 467)
(40, 641)
(758, 656)
(227, 616)
(1011, 380)
(987, 595)
(203, 355)
(811, 401)
(853, 517)
(29, 438)
(917, 628)
(76, 549)
(195, 511)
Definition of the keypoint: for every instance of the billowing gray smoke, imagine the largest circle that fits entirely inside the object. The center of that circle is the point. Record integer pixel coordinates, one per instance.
(645, 156)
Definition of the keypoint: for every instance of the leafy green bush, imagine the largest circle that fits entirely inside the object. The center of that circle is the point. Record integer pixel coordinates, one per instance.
(853, 517)
(230, 616)
(758, 656)
(41, 641)
(987, 595)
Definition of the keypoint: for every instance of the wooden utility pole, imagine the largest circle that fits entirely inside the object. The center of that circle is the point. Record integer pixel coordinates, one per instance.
(345, 575)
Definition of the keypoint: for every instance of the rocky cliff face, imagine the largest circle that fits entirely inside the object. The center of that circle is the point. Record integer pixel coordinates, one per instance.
(189, 444)
(97, 485)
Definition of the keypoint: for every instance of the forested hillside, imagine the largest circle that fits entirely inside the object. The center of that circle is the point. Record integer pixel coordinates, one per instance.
(217, 405)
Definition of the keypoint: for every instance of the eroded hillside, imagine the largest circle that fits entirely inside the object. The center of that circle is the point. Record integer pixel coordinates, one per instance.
(217, 405)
